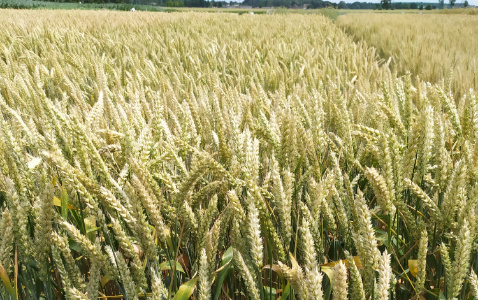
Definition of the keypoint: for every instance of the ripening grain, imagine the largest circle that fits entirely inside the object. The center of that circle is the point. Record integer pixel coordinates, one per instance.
(181, 155)
(435, 47)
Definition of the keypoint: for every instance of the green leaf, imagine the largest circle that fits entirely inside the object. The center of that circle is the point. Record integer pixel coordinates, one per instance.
(227, 256)
(285, 292)
(442, 296)
(329, 271)
(78, 221)
(223, 271)
(382, 237)
(104, 280)
(7, 283)
(299, 164)
(270, 293)
(186, 290)
(167, 233)
(168, 265)
(64, 204)
(75, 246)
(90, 226)
(57, 202)
(93, 229)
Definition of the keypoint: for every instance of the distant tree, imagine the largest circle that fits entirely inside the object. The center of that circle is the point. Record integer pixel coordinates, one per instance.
(465, 4)
(420, 7)
(170, 3)
(342, 5)
(441, 3)
(413, 6)
(428, 7)
(452, 3)
(386, 4)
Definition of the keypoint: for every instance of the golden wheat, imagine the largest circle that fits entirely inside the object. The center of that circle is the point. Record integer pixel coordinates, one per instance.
(213, 156)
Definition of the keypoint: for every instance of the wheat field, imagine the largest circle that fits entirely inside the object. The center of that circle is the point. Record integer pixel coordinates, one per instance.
(213, 156)
(435, 47)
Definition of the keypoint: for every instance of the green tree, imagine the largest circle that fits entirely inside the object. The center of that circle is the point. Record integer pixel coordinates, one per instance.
(428, 7)
(386, 4)
(465, 4)
(452, 3)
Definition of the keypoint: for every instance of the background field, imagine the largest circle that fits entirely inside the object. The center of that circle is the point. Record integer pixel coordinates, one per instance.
(435, 47)
(222, 156)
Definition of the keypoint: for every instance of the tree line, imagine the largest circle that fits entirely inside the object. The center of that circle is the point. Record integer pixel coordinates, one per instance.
(309, 4)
